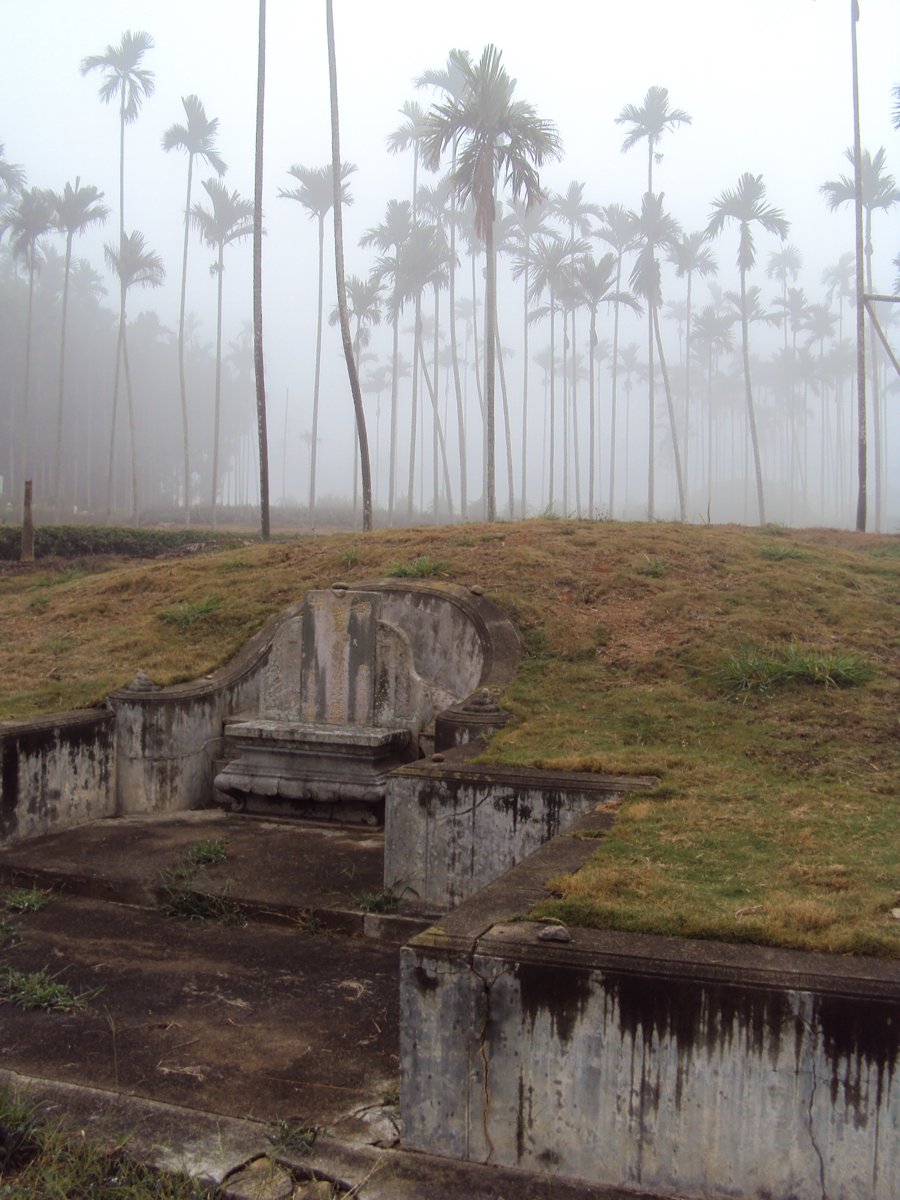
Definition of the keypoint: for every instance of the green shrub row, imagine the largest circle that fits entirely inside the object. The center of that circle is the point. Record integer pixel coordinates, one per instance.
(73, 541)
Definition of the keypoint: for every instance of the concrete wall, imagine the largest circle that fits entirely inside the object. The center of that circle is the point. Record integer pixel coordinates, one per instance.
(693, 1068)
(451, 828)
(55, 772)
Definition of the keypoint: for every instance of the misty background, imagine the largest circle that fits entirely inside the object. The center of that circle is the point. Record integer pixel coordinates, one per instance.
(767, 88)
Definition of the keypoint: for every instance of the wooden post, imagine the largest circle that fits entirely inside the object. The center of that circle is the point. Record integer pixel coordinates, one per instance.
(27, 551)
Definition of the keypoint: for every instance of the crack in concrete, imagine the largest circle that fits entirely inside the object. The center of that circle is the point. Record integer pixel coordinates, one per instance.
(810, 1129)
(482, 1026)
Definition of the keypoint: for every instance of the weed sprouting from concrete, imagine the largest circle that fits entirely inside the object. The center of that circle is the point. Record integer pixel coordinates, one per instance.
(377, 902)
(26, 900)
(291, 1136)
(38, 989)
(209, 853)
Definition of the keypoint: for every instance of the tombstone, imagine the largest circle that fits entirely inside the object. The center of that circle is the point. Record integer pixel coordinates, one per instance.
(341, 706)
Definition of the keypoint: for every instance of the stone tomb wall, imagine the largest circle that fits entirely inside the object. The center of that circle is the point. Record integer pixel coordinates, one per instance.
(693, 1068)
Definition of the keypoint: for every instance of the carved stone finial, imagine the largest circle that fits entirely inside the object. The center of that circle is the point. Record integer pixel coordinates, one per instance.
(482, 702)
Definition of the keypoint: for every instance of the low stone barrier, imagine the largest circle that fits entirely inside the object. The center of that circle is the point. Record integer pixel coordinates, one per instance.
(694, 1068)
(56, 772)
(452, 827)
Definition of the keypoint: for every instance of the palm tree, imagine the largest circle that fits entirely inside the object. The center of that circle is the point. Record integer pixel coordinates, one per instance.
(26, 223)
(125, 78)
(229, 219)
(496, 138)
(617, 230)
(597, 285)
(877, 192)
(838, 281)
(784, 266)
(746, 206)
(655, 229)
(712, 335)
(197, 139)
(75, 210)
(388, 237)
(134, 266)
(316, 195)
(650, 120)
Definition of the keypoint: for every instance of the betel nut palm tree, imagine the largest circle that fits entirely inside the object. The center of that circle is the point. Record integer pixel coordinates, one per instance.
(75, 210)
(196, 137)
(258, 357)
(745, 206)
(316, 195)
(650, 120)
(229, 219)
(498, 140)
(134, 265)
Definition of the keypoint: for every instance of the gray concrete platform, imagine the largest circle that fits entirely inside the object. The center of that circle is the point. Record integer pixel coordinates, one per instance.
(196, 1036)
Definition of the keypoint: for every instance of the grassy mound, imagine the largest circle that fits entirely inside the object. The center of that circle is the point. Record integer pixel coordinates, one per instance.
(755, 672)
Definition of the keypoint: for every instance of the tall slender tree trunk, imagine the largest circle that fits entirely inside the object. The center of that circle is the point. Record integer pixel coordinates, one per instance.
(26, 388)
(861, 435)
(131, 428)
(395, 357)
(651, 416)
(592, 431)
(576, 449)
(220, 268)
(317, 375)
(111, 472)
(339, 271)
(524, 477)
(181, 376)
(439, 433)
(454, 356)
(615, 376)
(751, 412)
(679, 480)
(687, 388)
(506, 421)
(57, 454)
(258, 360)
(552, 438)
(414, 411)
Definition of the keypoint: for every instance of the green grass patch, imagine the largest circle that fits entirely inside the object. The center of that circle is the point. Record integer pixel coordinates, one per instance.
(208, 853)
(287, 1136)
(759, 670)
(38, 989)
(41, 1160)
(26, 900)
(421, 567)
(186, 614)
(778, 552)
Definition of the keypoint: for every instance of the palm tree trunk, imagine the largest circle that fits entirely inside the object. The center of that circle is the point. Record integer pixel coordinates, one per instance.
(592, 416)
(862, 446)
(751, 413)
(131, 429)
(339, 271)
(110, 475)
(454, 356)
(671, 408)
(26, 388)
(413, 411)
(57, 455)
(392, 469)
(552, 438)
(257, 283)
(651, 415)
(615, 377)
(316, 377)
(506, 424)
(523, 481)
(575, 446)
(687, 387)
(490, 319)
(181, 379)
(439, 433)
(217, 408)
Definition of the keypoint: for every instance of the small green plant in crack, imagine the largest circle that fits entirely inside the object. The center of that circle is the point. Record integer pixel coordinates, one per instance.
(290, 1136)
(26, 900)
(209, 853)
(180, 900)
(38, 989)
(377, 902)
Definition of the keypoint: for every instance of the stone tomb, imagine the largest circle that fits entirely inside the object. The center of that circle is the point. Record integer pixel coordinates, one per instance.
(341, 705)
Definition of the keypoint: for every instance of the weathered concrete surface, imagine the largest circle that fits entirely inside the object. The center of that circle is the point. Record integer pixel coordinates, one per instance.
(265, 1021)
(451, 827)
(700, 1069)
(56, 772)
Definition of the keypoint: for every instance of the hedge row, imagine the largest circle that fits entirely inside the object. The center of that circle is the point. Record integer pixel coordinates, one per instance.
(74, 541)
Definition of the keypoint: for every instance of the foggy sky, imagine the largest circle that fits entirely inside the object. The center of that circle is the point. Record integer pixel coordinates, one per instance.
(766, 82)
